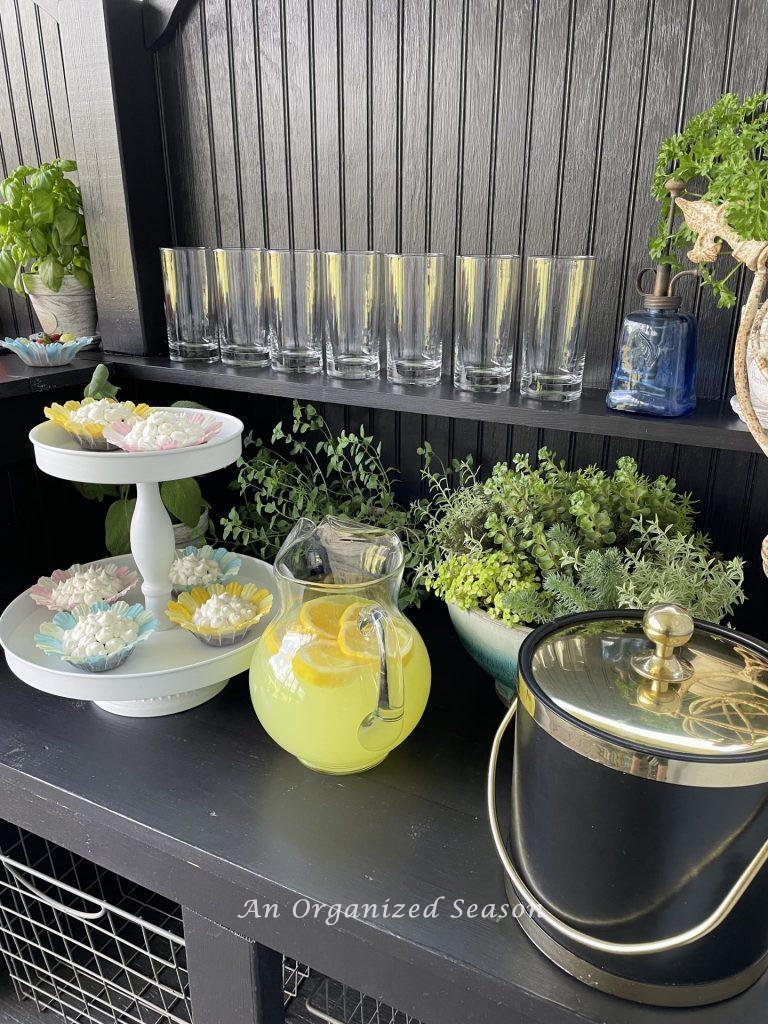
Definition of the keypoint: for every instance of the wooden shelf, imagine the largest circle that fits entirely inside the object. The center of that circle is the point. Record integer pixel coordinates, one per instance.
(711, 425)
(18, 379)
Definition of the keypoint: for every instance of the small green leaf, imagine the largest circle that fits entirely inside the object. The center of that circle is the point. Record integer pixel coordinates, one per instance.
(43, 179)
(183, 500)
(41, 206)
(83, 277)
(117, 526)
(188, 405)
(7, 269)
(12, 191)
(39, 240)
(99, 385)
(68, 225)
(51, 272)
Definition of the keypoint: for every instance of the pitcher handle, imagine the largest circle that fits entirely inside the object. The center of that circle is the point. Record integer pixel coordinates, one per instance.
(384, 724)
(541, 913)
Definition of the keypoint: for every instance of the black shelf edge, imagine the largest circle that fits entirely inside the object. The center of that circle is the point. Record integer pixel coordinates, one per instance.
(18, 379)
(711, 425)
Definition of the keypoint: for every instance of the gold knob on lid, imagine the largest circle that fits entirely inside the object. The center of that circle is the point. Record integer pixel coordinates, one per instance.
(667, 626)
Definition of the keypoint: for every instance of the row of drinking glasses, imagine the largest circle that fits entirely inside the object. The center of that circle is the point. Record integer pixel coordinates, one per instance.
(288, 308)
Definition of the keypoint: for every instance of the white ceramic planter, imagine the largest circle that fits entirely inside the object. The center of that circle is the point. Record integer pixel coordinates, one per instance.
(493, 645)
(70, 310)
(183, 535)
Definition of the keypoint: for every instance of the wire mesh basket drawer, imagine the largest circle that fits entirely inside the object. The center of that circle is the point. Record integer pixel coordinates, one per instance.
(91, 946)
(85, 943)
(334, 1003)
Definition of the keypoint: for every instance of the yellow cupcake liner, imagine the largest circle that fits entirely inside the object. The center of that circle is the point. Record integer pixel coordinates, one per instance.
(88, 435)
(180, 612)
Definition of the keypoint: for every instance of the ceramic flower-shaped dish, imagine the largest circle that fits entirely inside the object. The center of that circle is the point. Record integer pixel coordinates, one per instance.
(181, 611)
(45, 590)
(90, 434)
(50, 638)
(227, 561)
(116, 433)
(34, 352)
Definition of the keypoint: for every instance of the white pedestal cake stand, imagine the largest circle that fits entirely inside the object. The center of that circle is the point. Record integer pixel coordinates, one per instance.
(173, 670)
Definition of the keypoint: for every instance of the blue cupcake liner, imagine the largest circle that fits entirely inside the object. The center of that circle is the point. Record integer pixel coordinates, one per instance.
(55, 353)
(51, 636)
(229, 565)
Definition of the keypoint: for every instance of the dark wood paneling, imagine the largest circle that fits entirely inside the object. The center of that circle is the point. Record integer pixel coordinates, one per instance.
(34, 116)
(450, 125)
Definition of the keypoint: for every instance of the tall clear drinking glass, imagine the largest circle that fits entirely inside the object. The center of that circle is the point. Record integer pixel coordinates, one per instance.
(487, 289)
(557, 292)
(352, 306)
(241, 301)
(189, 310)
(415, 290)
(295, 310)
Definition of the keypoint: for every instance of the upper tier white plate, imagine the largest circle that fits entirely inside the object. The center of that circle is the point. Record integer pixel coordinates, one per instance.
(58, 454)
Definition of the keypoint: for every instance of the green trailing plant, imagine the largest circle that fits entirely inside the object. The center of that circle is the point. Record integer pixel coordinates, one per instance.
(721, 156)
(516, 506)
(42, 229)
(182, 498)
(531, 543)
(665, 567)
(307, 470)
(671, 567)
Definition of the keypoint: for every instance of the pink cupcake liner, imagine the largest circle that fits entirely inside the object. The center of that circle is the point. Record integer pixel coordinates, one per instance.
(116, 434)
(42, 592)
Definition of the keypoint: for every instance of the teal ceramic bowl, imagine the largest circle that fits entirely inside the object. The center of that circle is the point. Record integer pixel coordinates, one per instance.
(492, 645)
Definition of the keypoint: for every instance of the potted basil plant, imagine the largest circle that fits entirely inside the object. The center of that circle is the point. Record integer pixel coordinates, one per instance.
(44, 248)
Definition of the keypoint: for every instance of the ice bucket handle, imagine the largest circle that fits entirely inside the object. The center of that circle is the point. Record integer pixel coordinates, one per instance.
(541, 914)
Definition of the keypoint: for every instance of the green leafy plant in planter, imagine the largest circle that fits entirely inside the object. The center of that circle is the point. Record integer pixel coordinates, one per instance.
(534, 542)
(44, 248)
(720, 157)
(182, 498)
(531, 518)
(666, 567)
(307, 470)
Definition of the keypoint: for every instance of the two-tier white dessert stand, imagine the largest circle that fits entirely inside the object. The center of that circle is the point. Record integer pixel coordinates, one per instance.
(173, 671)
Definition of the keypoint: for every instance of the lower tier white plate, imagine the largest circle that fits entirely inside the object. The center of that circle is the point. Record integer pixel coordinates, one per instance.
(173, 671)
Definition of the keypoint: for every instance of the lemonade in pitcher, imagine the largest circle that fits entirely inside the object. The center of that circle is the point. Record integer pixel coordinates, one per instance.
(340, 677)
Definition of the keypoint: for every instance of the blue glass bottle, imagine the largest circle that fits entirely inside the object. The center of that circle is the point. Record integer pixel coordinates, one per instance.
(655, 371)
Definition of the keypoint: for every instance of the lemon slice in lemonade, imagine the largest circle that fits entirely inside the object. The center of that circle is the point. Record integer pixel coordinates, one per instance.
(322, 615)
(321, 663)
(364, 647)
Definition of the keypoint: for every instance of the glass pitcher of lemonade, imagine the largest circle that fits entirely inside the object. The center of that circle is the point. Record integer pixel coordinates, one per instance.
(340, 677)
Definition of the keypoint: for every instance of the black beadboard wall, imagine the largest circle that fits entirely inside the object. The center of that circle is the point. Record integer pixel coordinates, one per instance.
(34, 115)
(450, 125)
